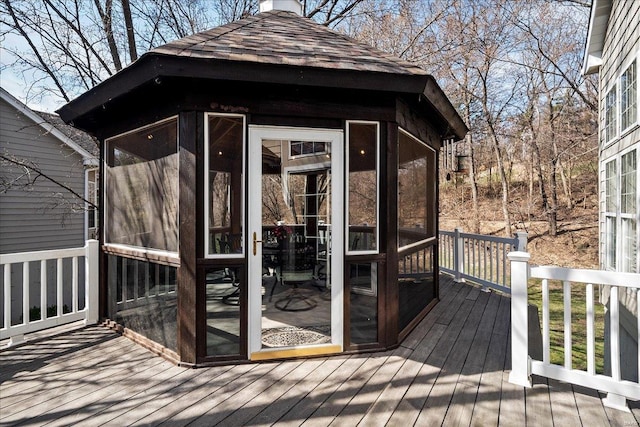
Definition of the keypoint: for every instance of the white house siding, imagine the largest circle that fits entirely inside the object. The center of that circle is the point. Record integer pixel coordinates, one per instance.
(621, 47)
(28, 220)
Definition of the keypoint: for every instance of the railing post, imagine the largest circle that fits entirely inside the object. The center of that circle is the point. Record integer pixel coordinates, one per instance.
(91, 282)
(458, 255)
(521, 242)
(520, 360)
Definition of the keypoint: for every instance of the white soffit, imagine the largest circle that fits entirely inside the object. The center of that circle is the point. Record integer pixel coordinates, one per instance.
(600, 11)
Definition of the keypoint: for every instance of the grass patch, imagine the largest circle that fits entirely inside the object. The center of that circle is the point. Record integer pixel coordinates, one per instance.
(578, 323)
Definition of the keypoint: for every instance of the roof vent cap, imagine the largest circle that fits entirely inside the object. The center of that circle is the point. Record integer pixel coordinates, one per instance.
(287, 5)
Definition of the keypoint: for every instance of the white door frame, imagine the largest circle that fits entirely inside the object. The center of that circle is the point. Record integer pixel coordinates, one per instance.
(254, 218)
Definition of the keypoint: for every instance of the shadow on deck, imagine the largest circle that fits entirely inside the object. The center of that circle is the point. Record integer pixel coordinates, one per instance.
(451, 370)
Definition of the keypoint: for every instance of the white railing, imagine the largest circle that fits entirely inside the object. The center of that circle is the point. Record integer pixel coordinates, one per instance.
(479, 258)
(523, 366)
(56, 306)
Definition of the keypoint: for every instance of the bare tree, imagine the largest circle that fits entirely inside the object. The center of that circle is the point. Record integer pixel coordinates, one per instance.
(72, 46)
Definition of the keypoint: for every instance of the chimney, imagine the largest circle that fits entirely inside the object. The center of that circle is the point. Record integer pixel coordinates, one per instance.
(294, 6)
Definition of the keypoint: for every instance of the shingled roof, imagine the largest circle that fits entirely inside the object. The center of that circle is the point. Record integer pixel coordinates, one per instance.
(275, 47)
(279, 37)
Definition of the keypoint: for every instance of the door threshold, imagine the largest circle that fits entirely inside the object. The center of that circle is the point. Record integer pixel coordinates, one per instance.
(295, 352)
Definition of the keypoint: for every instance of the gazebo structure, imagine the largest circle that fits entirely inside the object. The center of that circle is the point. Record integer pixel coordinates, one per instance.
(269, 191)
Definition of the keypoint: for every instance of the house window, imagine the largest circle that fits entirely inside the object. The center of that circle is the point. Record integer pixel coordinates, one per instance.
(621, 213)
(305, 148)
(224, 186)
(141, 188)
(611, 197)
(362, 175)
(628, 97)
(92, 198)
(610, 115)
(628, 211)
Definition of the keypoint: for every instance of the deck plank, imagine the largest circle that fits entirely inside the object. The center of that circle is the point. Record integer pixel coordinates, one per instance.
(353, 413)
(420, 390)
(392, 396)
(537, 402)
(438, 402)
(487, 406)
(563, 404)
(451, 370)
(255, 404)
(232, 398)
(342, 396)
(224, 393)
(301, 391)
(590, 407)
(57, 375)
(304, 408)
(466, 390)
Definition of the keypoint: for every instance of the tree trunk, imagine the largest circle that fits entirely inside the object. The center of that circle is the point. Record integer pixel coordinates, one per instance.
(131, 37)
(106, 16)
(503, 181)
(566, 185)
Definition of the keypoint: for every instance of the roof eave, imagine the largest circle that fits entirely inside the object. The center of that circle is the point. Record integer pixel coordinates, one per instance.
(153, 67)
(87, 157)
(455, 126)
(598, 21)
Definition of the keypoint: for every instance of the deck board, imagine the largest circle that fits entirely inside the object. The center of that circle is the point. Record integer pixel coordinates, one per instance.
(451, 370)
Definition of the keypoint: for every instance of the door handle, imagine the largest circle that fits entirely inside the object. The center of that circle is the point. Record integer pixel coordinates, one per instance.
(255, 243)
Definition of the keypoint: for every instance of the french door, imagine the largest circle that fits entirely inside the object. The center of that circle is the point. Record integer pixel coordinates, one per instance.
(295, 241)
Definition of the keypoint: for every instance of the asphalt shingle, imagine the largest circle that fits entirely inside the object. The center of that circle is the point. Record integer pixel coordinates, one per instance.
(279, 37)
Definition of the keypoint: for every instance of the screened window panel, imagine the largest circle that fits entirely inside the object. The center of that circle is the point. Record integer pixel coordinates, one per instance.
(142, 188)
(143, 298)
(416, 191)
(628, 97)
(363, 187)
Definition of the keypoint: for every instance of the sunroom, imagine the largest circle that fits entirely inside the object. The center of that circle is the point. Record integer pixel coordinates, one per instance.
(269, 190)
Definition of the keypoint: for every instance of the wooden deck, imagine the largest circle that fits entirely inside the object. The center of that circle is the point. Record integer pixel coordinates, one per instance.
(452, 370)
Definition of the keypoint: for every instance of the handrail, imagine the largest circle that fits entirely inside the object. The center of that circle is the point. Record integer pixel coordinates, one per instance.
(414, 247)
(63, 293)
(523, 365)
(478, 258)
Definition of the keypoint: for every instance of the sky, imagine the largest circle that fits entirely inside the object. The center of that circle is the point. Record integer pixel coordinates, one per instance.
(14, 83)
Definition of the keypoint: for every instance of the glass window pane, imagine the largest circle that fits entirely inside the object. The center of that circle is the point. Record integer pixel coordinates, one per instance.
(610, 188)
(142, 188)
(629, 246)
(363, 282)
(611, 242)
(628, 176)
(223, 286)
(416, 191)
(226, 142)
(610, 115)
(296, 248)
(363, 187)
(628, 97)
